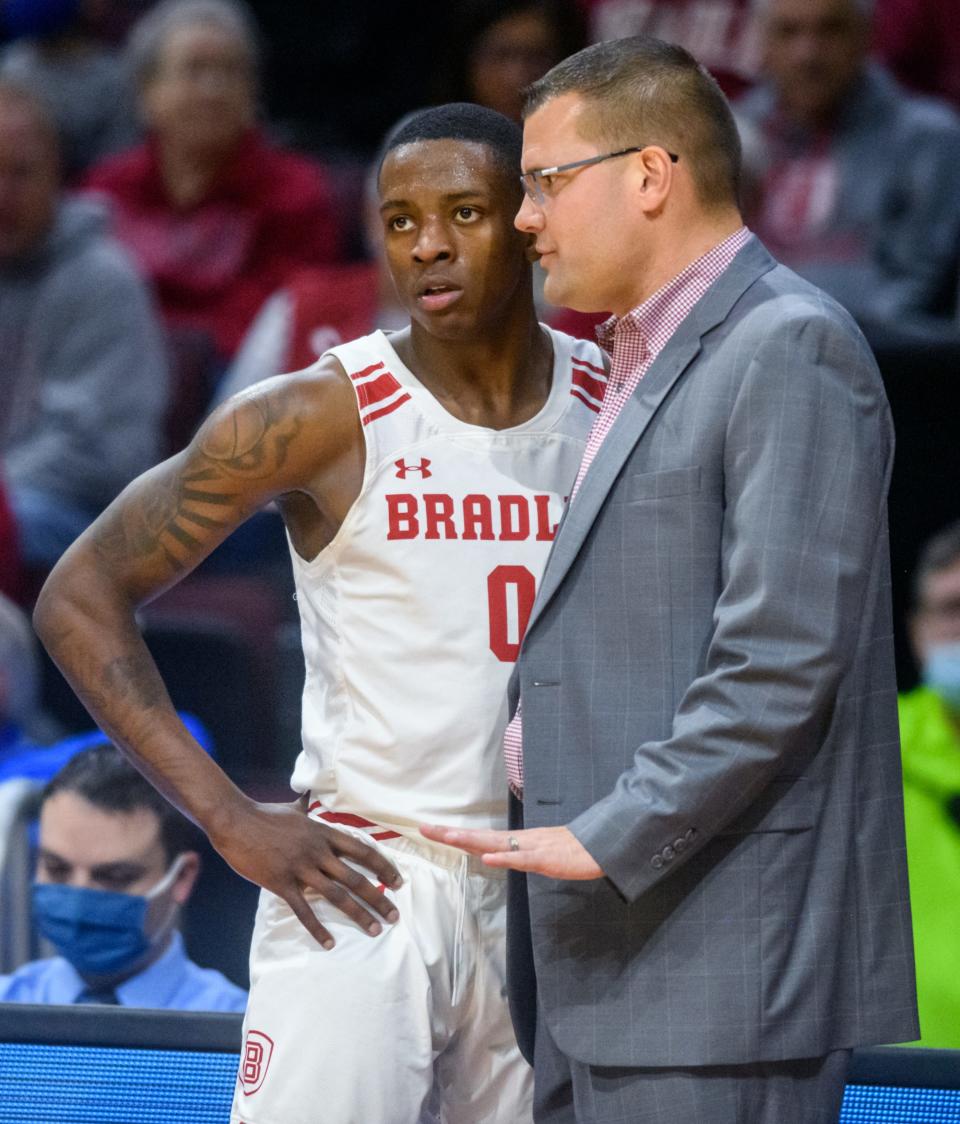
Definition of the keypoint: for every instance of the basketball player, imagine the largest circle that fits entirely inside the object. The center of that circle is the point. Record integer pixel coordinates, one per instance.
(421, 477)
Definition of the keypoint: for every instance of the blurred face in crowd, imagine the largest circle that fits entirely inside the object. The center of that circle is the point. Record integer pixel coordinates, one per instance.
(202, 93)
(812, 51)
(447, 210)
(29, 179)
(937, 620)
(511, 54)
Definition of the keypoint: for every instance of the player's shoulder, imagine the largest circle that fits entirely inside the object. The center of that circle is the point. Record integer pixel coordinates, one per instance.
(314, 389)
(303, 416)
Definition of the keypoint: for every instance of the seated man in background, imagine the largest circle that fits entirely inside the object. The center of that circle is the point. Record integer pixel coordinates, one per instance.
(930, 739)
(83, 376)
(216, 215)
(858, 181)
(57, 53)
(116, 863)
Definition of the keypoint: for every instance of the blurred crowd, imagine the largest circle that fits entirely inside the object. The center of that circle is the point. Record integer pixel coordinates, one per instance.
(188, 205)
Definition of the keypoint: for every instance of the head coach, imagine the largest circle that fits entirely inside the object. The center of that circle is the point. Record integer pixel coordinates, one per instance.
(711, 907)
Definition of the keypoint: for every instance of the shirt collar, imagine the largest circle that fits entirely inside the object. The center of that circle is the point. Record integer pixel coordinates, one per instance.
(153, 987)
(156, 985)
(656, 319)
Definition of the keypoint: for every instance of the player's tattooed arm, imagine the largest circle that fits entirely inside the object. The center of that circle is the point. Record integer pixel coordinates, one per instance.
(173, 516)
(254, 448)
(159, 529)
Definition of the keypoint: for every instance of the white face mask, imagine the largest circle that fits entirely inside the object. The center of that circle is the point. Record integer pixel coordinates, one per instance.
(161, 914)
(941, 673)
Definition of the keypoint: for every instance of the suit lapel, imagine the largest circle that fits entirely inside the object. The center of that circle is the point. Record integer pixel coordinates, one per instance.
(684, 346)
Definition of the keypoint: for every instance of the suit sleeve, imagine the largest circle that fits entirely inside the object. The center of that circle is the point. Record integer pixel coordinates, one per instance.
(806, 463)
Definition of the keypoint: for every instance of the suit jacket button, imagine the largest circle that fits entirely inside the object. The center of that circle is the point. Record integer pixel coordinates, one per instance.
(690, 833)
(680, 844)
(668, 853)
(656, 862)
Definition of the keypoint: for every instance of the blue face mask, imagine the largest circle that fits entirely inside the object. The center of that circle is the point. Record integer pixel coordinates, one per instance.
(100, 932)
(941, 673)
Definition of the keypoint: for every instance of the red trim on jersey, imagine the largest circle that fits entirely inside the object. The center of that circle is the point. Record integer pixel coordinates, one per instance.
(589, 366)
(349, 819)
(575, 393)
(594, 387)
(376, 390)
(386, 409)
(367, 371)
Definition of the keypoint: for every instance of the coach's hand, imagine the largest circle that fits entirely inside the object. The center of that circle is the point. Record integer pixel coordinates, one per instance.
(280, 848)
(553, 851)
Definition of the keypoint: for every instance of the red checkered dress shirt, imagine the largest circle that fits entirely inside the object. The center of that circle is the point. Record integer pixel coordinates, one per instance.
(634, 341)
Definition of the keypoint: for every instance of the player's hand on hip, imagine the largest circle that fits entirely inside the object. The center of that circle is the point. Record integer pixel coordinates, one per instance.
(280, 848)
(553, 851)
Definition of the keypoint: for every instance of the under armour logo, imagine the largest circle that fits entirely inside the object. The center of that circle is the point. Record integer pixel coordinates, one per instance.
(403, 468)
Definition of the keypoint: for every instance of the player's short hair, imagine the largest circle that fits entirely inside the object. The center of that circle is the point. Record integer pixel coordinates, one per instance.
(105, 778)
(939, 553)
(641, 90)
(463, 121)
(151, 31)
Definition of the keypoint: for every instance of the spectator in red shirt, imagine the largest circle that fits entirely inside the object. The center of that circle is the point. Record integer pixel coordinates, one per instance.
(216, 215)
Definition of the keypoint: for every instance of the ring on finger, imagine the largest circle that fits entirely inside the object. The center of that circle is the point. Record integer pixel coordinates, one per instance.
(513, 843)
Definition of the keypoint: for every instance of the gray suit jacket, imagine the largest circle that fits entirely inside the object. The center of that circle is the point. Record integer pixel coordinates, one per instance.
(709, 703)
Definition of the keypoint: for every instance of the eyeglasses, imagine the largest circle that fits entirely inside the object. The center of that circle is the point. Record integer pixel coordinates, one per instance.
(536, 183)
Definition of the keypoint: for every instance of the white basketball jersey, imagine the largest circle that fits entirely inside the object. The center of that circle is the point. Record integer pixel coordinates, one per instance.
(412, 616)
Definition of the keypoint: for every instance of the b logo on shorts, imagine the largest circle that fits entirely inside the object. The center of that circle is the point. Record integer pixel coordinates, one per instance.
(255, 1060)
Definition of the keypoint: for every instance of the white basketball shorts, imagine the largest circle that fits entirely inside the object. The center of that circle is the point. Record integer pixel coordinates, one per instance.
(409, 1027)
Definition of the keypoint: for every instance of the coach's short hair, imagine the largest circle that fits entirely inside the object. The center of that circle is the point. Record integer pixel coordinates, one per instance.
(641, 90)
(105, 778)
(463, 121)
